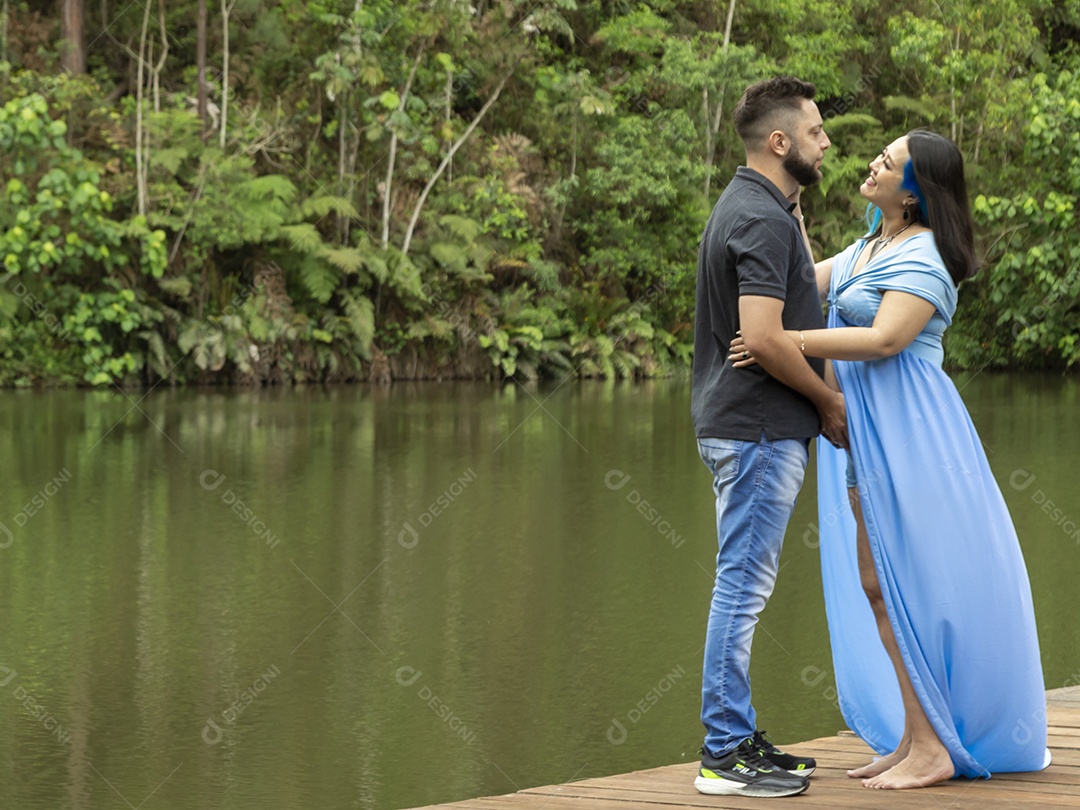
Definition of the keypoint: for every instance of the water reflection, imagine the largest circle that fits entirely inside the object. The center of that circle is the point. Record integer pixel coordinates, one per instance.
(290, 599)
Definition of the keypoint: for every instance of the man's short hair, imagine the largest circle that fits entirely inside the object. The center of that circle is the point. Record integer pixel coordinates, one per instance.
(764, 106)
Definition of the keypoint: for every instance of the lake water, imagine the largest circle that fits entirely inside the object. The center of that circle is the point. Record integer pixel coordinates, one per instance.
(366, 597)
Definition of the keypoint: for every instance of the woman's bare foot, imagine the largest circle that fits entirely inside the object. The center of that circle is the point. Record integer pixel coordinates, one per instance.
(882, 764)
(920, 768)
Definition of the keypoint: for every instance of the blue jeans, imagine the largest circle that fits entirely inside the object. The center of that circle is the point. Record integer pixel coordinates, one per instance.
(756, 484)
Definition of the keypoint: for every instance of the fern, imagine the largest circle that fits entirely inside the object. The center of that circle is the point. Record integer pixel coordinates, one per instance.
(850, 168)
(169, 159)
(462, 227)
(626, 363)
(319, 278)
(349, 260)
(853, 120)
(180, 286)
(404, 276)
(269, 187)
(318, 207)
(304, 237)
(377, 266)
(450, 256)
(360, 315)
(908, 104)
(156, 346)
(544, 274)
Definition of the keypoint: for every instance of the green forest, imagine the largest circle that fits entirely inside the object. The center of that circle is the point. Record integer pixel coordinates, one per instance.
(288, 191)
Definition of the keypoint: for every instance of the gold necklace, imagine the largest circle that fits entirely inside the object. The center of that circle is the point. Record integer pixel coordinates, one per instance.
(883, 242)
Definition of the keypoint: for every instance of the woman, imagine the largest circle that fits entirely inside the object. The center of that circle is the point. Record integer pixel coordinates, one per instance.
(927, 553)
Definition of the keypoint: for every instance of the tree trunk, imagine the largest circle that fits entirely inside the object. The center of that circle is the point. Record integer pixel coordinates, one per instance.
(203, 93)
(349, 166)
(952, 92)
(449, 107)
(73, 47)
(573, 169)
(343, 120)
(140, 157)
(393, 155)
(446, 161)
(4, 12)
(982, 121)
(713, 126)
(226, 10)
(160, 66)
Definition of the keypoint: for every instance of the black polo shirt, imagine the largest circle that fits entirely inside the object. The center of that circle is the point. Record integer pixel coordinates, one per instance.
(752, 245)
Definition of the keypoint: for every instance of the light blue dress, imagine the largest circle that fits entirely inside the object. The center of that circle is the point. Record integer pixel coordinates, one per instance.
(946, 553)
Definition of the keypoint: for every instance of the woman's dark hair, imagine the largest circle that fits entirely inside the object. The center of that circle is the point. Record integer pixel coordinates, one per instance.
(761, 106)
(943, 200)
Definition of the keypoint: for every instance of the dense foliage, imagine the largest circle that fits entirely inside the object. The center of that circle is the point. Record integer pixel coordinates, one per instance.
(380, 189)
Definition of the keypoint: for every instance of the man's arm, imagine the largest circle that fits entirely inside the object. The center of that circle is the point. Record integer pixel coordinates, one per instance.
(798, 214)
(763, 333)
(822, 269)
(823, 272)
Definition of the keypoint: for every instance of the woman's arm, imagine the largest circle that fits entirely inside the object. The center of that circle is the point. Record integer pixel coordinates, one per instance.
(899, 320)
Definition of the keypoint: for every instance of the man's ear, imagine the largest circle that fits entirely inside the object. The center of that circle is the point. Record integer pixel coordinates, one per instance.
(778, 143)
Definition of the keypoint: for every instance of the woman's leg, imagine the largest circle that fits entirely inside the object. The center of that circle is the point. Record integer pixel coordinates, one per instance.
(920, 759)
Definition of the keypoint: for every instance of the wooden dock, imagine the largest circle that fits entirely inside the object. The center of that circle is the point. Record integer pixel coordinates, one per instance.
(672, 786)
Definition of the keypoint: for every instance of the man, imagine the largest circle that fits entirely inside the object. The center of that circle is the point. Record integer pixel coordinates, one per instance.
(754, 425)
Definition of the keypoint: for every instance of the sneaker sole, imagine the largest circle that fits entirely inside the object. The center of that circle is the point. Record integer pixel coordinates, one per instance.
(803, 772)
(725, 787)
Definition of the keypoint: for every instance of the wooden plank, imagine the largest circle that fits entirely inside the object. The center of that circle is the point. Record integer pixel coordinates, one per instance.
(825, 792)
(671, 786)
(1067, 694)
(1063, 715)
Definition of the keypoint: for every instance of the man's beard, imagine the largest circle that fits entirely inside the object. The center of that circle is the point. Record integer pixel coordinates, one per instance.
(801, 170)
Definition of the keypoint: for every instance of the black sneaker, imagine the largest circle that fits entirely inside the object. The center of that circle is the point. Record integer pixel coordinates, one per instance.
(745, 772)
(800, 766)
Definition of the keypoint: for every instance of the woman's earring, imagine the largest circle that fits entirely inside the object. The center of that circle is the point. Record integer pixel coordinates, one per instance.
(907, 214)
